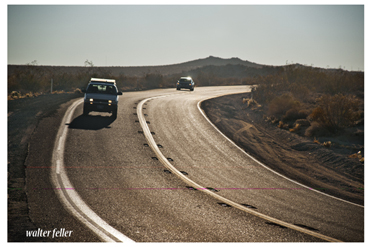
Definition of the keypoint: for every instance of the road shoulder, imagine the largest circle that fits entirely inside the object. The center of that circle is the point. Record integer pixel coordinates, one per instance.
(32, 127)
(292, 156)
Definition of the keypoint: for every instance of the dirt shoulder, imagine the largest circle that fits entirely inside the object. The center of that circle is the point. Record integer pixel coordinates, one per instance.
(24, 116)
(329, 170)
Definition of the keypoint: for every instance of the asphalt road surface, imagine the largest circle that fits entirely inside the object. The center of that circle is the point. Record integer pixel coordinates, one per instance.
(160, 172)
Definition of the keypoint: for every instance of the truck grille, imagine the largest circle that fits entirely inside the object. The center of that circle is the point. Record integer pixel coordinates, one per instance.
(100, 101)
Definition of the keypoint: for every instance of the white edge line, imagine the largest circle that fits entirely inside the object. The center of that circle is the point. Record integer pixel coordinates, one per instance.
(268, 168)
(69, 198)
(167, 164)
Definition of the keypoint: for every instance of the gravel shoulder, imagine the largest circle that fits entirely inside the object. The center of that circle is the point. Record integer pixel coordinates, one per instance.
(329, 170)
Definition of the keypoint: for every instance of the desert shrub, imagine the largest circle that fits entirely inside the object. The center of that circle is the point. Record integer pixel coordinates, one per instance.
(358, 155)
(316, 141)
(295, 128)
(302, 122)
(58, 92)
(15, 95)
(282, 125)
(267, 88)
(29, 95)
(343, 82)
(327, 144)
(336, 112)
(270, 119)
(280, 105)
(251, 103)
(315, 130)
(300, 91)
(294, 114)
(78, 91)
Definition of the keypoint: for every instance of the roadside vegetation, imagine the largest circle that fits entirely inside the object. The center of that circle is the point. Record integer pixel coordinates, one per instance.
(317, 103)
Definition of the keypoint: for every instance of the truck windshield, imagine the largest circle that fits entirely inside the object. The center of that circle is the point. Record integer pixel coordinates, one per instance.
(104, 89)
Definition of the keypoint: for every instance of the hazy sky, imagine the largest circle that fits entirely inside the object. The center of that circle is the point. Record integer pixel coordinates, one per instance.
(128, 35)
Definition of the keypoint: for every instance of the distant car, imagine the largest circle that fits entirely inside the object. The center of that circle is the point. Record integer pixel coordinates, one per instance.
(185, 82)
(101, 95)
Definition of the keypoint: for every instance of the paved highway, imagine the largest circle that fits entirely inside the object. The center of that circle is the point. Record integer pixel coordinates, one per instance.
(132, 179)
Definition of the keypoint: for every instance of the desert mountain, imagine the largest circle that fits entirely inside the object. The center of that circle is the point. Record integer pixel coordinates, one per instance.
(142, 70)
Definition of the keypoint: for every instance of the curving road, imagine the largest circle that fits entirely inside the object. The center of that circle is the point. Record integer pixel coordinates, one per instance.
(128, 193)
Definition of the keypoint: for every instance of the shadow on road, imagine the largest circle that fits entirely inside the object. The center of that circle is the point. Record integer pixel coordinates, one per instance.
(89, 122)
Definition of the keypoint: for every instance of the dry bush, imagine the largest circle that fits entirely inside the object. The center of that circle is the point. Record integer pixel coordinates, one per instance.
(268, 87)
(29, 95)
(78, 91)
(282, 125)
(358, 156)
(251, 103)
(300, 91)
(327, 144)
(316, 141)
(316, 129)
(58, 92)
(270, 119)
(280, 105)
(336, 112)
(14, 95)
(303, 122)
(274, 120)
(294, 114)
(296, 128)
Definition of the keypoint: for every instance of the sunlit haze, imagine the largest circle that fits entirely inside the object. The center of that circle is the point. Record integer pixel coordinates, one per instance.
(329, 36)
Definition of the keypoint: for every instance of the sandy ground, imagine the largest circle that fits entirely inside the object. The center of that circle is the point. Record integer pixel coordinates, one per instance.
(329, 170)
